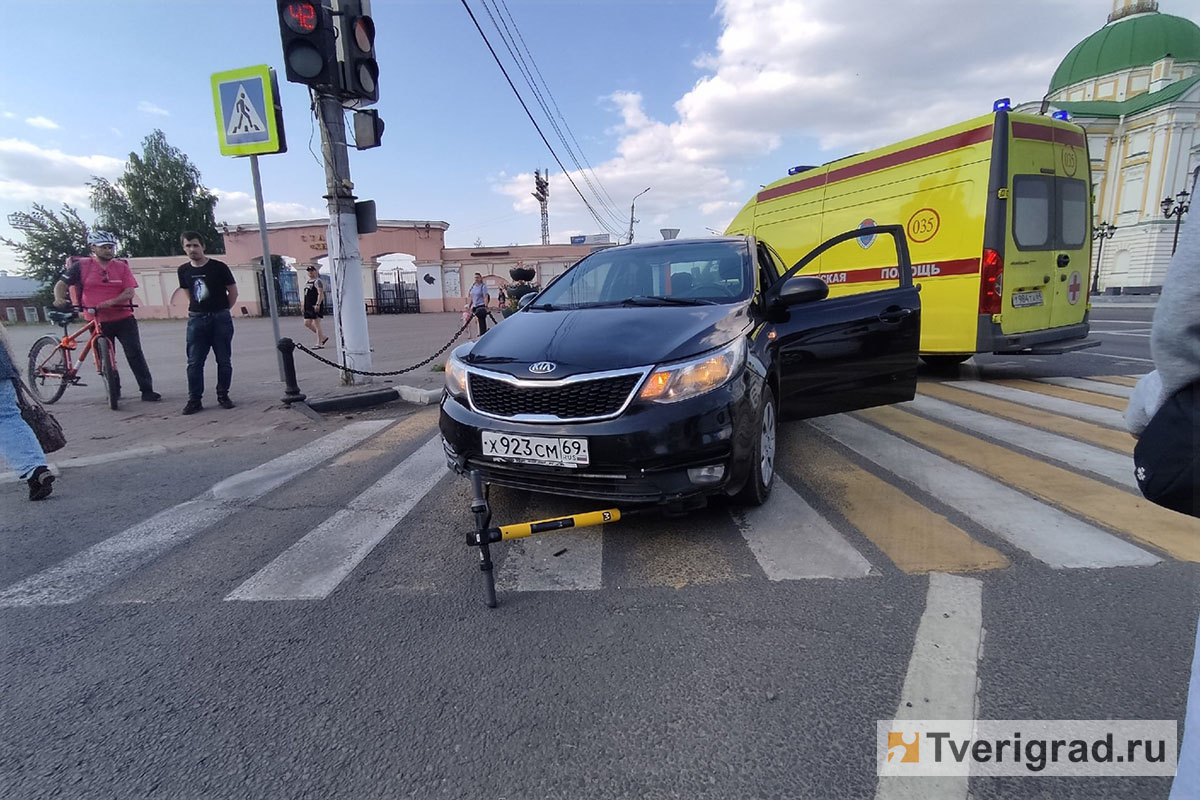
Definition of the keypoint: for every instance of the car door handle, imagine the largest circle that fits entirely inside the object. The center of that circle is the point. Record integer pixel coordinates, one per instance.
(894, 314)
(1064, 259)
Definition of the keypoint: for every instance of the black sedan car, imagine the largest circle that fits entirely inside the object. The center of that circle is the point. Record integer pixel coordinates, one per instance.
(656, 373)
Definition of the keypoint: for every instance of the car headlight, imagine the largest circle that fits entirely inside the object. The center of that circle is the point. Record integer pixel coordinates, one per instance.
(456, 377)
(674, 382)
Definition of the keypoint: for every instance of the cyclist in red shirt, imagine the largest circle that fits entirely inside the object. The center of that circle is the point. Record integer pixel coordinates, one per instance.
(106, 284)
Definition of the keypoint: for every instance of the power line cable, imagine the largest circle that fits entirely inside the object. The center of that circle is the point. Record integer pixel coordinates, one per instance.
(510, 42)
(556, 108)
(537, 127)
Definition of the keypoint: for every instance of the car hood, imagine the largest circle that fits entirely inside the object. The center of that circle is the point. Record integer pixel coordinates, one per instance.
(597, 339)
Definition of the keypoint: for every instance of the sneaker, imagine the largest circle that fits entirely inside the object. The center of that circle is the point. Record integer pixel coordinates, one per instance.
(151, 397)
(224, 402)
(41, 483)
(192, 407)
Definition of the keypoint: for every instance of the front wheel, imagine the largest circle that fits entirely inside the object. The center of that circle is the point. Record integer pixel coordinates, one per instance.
(48, 369)
(762, 470)
(108, 371)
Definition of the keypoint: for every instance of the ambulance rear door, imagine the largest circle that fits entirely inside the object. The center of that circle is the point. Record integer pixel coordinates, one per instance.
(1047, 248)
(1074, 252)
(1031, 240)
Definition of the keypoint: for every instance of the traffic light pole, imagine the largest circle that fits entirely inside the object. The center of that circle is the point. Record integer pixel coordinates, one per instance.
(345, 261)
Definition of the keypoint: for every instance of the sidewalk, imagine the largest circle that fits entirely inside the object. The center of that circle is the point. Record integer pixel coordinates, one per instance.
(96, 434)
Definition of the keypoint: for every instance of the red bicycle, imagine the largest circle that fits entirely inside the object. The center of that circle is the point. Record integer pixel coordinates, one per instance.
(51, 369)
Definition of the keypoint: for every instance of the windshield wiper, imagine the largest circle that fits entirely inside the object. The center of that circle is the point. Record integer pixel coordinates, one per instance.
(659, 300)
(544, 307)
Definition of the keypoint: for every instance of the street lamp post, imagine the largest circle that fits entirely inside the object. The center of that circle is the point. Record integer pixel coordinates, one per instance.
(1102, 231)
(631, 219)
(1176, 208)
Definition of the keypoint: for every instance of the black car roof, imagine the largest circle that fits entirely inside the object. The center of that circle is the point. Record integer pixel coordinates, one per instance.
(698, 240)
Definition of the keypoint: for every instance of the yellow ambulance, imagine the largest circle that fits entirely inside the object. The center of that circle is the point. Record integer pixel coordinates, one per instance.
(998, 215)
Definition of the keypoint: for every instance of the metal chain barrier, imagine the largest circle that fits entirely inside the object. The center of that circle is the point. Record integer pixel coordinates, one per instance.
(418, 365)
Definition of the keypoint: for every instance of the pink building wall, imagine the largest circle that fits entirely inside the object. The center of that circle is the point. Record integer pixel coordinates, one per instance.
(443, 274)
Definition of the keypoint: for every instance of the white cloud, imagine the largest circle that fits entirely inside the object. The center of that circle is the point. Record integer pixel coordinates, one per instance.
(234, 207)
(42, 122)
(26, 164)
(146, 107)
(824, 79)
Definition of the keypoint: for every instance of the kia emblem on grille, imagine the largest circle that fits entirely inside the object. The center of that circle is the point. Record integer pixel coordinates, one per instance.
(542, 367)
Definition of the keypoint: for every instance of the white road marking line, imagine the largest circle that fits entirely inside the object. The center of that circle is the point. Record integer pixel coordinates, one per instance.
(1099, 387)
(1059, 405)
(1111, 465)
(530, 565)
(1051, 536)
(1144, 334)
(1114, 355)
(1120, 322)
(791, 541)
(942, 679)
(314, 566)
(89, 571)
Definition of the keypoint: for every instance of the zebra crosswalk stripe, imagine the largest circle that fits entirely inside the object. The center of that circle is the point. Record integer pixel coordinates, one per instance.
(916, 538)
(791, 541)
(1078, 395)
(1120, 510)
(1046, 533)
(1087, 385)
(1058, 405)
(1115, 467)
(314, 566)
(89, 571)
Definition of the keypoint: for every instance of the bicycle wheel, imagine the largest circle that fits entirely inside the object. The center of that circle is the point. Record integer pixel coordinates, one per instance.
(49, 366)
(108, 371)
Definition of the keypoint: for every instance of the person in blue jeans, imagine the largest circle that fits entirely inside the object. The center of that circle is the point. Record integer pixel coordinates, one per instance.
(211, 292)
(19, 446)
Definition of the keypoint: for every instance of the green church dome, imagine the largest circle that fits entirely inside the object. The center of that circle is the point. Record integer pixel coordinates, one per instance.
(1136, 41)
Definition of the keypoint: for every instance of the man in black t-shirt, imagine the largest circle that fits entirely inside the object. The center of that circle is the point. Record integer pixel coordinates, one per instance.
(212, 292)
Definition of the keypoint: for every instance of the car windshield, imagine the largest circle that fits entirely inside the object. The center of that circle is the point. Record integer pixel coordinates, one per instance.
(683, 273)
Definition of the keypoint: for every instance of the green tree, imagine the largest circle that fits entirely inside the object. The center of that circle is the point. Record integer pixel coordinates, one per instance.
(49, 238)
(158, 197)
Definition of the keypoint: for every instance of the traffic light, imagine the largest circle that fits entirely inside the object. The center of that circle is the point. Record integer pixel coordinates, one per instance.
(356, 51)
(368, 129)
(541, 185)
(309, 44)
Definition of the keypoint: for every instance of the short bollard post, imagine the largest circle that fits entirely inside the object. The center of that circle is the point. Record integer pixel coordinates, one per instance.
(292, 393)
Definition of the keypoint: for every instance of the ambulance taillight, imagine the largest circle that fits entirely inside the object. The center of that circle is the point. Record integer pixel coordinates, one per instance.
(991, 285)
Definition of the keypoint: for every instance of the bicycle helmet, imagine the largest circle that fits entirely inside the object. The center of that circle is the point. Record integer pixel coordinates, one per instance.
(99, 238)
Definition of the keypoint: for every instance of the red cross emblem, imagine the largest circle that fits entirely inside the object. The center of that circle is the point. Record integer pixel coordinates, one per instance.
(1073, 287)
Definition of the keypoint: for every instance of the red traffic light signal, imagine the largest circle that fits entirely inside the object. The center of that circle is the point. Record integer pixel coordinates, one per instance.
(309, 44)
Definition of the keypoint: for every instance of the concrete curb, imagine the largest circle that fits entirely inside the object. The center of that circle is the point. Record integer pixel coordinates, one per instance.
(375, 397)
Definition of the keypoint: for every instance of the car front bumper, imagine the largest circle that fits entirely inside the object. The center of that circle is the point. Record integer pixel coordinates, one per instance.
(642, 456)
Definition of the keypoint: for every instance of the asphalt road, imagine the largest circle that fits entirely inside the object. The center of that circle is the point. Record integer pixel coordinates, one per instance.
(314, 627)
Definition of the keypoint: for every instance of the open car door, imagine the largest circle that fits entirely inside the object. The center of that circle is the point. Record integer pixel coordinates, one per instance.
(837, 354)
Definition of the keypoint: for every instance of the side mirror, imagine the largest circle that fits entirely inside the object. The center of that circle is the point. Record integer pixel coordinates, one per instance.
(804, 289)
(525, 299)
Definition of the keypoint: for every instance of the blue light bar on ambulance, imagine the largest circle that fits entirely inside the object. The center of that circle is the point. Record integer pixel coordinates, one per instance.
(798, 170)
(1063, 115)
(1003, 104)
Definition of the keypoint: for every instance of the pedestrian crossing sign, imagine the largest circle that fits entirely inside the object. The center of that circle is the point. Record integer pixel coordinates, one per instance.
(249, 118)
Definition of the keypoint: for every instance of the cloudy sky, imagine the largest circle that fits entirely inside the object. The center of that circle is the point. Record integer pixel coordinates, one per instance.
(699, 101)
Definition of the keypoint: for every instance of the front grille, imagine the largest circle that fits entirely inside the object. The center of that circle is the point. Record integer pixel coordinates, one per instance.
(583, 399)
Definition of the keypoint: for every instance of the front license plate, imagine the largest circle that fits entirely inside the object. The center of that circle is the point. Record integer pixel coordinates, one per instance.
(551, 451)
(1026, 299)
